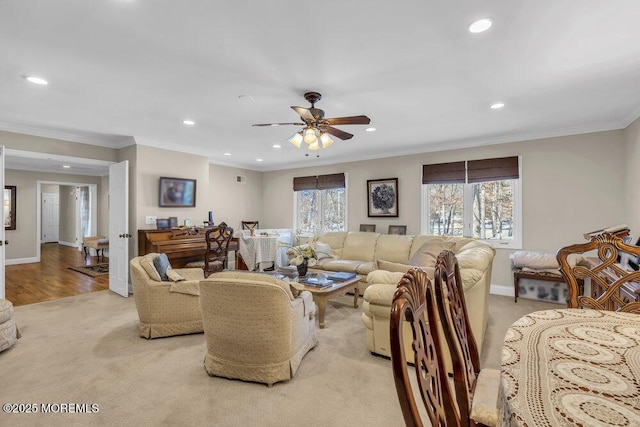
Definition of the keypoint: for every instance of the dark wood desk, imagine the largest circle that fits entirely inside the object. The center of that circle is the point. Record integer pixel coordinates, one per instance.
(180, 245)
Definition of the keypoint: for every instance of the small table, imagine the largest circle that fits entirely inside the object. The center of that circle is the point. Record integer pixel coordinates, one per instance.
(258, 249)
(321, 295)
(571, 366)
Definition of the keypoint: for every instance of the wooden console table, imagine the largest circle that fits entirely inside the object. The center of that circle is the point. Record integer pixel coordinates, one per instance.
(180, 245)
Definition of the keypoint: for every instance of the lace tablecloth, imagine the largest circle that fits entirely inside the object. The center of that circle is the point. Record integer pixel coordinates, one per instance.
(257, 249)
(571, 367)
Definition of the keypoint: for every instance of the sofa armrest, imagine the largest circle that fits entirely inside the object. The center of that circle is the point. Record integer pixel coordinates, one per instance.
(384, 276)
(380, 294)
(306, 299)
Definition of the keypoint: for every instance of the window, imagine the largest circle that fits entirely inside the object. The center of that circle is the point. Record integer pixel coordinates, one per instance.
(320, 203)
(479, 198)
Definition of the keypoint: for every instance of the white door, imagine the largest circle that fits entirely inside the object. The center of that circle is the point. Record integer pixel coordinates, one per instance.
(2, 241)
(119, 228)
(50, 217)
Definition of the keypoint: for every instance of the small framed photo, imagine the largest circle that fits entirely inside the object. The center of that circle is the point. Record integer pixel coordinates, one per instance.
(398, 229)
(177, 192)
(383, 197)
(371, 228)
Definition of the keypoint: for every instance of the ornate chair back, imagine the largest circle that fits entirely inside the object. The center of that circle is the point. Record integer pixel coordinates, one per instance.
(250, 225)
(414, 302)
(614, 286)
(465, 357)
(216, 253)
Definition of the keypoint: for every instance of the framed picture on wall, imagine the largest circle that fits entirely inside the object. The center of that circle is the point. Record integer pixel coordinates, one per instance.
(383, 197)
(177, 192)
(9, 207)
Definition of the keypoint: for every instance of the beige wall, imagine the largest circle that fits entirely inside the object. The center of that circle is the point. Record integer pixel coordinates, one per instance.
(233, 202)
(50, 188)
(570, 185)
(23, 240)
(632, 135)
(18, 141)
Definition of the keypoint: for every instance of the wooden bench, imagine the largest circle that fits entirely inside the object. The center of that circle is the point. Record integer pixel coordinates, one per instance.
(539, 275)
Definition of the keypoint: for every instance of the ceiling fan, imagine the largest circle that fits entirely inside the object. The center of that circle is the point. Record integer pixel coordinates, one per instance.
(317, 128)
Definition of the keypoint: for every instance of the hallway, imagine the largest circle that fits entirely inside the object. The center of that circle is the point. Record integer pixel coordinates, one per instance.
(51, 278)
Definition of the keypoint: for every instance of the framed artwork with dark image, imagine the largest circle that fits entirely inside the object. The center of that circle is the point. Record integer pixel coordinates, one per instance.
(9, 207)
(383, 197)
(398, 229)
(371, 228)
(177, 192)
(173, 221)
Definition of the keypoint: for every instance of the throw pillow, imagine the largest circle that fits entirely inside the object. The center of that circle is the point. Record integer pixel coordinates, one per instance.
(161, 263)
(323, 250)
(147, 264)
(174, 276)
(428, 253)
(392, 266)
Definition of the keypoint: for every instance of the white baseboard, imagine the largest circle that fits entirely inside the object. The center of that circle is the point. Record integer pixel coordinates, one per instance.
(502, 290)
(60, 242)
(20, 261)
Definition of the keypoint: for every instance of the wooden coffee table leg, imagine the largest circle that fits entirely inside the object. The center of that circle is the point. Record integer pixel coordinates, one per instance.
(321, 301)
(356, 293)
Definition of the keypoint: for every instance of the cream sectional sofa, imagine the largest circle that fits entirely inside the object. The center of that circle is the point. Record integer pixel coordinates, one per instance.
(382, 259)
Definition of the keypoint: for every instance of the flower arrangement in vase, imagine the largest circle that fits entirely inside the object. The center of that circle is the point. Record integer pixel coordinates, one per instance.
(303, 256)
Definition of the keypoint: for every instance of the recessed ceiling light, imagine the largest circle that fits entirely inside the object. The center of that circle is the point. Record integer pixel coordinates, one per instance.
(370, 129)
(188, 122)
(248, 98)
(37, 80)
(276, 145)
(66, 166)
(480, 25)
(258, 160)
(497, 105)
(227, 154)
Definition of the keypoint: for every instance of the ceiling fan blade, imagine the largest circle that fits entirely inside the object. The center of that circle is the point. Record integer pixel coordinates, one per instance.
(278, 124)
(304, 113)
(352, 120)
(336, 132)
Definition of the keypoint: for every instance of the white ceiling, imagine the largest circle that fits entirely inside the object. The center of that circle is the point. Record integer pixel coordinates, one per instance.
(123, 69)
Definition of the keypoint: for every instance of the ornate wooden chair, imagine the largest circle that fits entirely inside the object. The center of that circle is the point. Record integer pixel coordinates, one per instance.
(614, 286)
(216, 253)
(476, 389)
(250, 225)
(413, 301)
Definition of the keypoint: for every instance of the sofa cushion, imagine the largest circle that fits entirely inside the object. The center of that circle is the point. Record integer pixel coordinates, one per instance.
(335, 239)
(427, 254)
(393, 247)
(161, 263)
(339, 265)
(147, 264)
(360, 246)
(323, 250)
(392, 266)
(366, 267)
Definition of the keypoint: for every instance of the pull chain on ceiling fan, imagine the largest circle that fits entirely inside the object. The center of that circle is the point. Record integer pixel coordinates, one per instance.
(317, 129)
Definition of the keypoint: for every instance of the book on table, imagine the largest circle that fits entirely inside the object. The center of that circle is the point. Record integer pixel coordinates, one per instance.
(316, 282)
(341, 276)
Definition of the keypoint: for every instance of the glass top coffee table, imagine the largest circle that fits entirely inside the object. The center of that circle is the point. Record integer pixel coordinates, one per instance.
(323, 289)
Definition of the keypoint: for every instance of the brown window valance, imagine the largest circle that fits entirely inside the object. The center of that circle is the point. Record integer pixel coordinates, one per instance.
(492, 169)
(449, 173)
(471, 171)
(320, 182)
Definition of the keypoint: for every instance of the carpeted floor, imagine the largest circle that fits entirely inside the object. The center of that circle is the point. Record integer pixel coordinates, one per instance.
(92, 270)
(86, 350)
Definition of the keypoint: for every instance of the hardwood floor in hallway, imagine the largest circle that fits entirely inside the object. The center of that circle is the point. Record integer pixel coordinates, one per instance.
(51, 278)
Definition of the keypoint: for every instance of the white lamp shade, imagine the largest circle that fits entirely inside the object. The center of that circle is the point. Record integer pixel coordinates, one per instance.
(310, 136)
(296, 139)
(314, 146)
(326, 140)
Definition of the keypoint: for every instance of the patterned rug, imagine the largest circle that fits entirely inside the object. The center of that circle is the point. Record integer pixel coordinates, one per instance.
(92, 270)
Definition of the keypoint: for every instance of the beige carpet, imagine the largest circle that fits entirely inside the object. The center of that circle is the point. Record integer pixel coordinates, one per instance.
(86, 349)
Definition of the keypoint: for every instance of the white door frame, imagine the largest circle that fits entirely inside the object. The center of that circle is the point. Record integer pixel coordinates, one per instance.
(93, 188)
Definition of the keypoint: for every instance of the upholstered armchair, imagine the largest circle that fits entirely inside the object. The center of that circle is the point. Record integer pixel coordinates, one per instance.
(255, 329)
(169, 307)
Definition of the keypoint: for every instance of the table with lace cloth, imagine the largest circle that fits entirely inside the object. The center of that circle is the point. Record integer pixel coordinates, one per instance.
(570, 367)
(258, 249)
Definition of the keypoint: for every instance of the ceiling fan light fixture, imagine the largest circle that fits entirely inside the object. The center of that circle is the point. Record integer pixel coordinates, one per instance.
(314, 146)
(296, 139)
(326, 140)
(310, 135)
